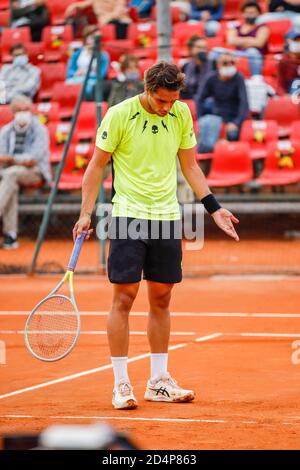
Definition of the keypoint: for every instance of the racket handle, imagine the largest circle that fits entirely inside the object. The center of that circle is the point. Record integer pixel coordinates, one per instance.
(76, 251)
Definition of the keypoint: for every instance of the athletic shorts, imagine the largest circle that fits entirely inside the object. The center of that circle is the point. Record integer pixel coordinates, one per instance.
(151, 248)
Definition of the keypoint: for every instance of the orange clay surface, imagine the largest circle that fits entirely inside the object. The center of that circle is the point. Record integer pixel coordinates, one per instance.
(247, 387)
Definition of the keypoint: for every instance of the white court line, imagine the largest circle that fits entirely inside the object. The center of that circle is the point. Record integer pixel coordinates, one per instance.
(87, 372)
(268, 335)
(97, 332)
(159, 420)
(173, 314)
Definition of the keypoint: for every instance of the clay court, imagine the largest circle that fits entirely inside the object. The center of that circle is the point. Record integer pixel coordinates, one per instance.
(232, 342)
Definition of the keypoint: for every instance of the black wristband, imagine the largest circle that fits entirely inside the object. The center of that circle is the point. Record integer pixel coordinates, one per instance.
(210, 203)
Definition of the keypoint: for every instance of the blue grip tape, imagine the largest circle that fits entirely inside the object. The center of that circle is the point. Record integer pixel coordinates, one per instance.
(76, 251)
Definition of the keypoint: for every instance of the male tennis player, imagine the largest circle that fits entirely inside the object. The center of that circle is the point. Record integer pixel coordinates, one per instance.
(143, 136)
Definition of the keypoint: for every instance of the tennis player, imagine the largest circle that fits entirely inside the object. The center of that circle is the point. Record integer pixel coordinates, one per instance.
(143, 136)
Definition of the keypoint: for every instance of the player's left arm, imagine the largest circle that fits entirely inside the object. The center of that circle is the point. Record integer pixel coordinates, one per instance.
(196, 179)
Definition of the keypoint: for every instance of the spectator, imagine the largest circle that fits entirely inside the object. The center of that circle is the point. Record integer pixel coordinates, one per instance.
(32, 13)
(222, 100)
(106, 12)
(143, 7)
(79, 62)
(128, 83)
(249, 38)
(289, 65)
(24, 149)
(20, 77)
(197, 68)
(210, 12)
(258, 92)
(281, 10)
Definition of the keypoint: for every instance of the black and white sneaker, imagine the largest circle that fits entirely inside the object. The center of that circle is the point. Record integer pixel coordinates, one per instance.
(165, 388)
(9, 242)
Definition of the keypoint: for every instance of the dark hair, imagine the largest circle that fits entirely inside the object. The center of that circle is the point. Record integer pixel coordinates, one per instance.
(190, 43)
(164, 75)
(88, 30)
(17, 46)
(251, 4)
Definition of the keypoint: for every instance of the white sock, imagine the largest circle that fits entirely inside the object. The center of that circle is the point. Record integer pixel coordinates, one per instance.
(12, 234)
(159, 365)
(120, 369)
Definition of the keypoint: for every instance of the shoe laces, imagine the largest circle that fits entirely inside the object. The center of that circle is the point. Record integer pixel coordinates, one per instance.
(124, 389)
(169, 380)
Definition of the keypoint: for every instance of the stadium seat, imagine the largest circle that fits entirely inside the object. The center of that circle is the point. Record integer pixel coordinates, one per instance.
(50, 74)
(4, 18)
(144, 64)
(295, 130)
(75, 166)
(56, 41)
(243, 67)
(35, 52)
(117, 47)
(282, 164)
(47, 112)
(183, 31)
(142, 34)
(231, 9)
(6, 114)
(87, 121)
(4, 4)
(258, 134)
(57, 10)
(66, 95)
(284, 111)
(11, 36)
(278, 30)
(231, 164)
(108, 32)
(58, 134)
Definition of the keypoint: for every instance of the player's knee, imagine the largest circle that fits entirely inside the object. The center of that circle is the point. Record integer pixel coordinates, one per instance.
(123, 300)
(160, 300)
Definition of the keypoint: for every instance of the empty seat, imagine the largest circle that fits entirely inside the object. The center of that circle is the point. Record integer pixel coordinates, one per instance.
(231, 164)
(50, 74)
(47, 112)
(183, 31)
(57, 10)
(258, 134)
(283, 110)
(278, 30)
(6, 114)
(282, 164)
(58, 134)
(76, 163)
(56, 41)
(142, 34)
(66, 95)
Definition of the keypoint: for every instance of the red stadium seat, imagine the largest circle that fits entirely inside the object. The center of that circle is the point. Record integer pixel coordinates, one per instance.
(56, 41)
(145, 64)
(35, 52)
(278, 30)
(231, 164)
(50, 74)
(243, 67)
(86, 125)
(12, 36)
(6, 114)
(4, 4)
(66, 95)
(183, 31)
(295, 130)
(4, 18)
(75, 166)
(58, 134)
(258, 134)
(142, 34)
(57, 10)
(282, 164)
(108, 32)
(284, 111)
(118, 47)
(47, 112)
(231, 9)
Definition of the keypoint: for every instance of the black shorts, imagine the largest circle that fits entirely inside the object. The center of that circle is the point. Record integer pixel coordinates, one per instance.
(151, 247)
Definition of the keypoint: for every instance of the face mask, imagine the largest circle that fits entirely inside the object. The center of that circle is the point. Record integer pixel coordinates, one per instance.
(21, 60)
(132, 76)
(23, 118)
(294, 46)
(226, 71)
(250, 20)
(202, 56)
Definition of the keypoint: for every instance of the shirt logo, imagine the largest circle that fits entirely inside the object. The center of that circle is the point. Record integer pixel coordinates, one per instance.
(104, 135)
(154, 130)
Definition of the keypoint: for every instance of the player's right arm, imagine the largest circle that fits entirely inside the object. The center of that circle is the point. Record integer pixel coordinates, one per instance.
(91, 185)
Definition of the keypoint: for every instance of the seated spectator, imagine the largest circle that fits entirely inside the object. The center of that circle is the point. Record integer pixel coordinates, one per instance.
(281, 10)
(24, 153)
(106, 12)
(128, 83)
(210, 12)
(32, 13)
(143, 7)
(223, 100)
(197, 68)
(20, 77)
(250, 40)
(258, 93)
(289, 65)
(79, 62)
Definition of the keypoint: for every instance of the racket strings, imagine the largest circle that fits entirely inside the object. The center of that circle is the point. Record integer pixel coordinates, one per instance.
(53, 328)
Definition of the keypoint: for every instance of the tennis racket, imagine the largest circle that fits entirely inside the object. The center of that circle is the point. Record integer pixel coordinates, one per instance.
(53, 327)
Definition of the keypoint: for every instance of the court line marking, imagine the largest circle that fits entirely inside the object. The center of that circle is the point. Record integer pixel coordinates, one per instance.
(159, 420)
(102, 332)
(173, 314)
(95, 370)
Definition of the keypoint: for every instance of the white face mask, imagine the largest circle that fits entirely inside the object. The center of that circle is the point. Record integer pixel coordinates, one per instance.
(294, 46)
(23, 118)
(228, 71)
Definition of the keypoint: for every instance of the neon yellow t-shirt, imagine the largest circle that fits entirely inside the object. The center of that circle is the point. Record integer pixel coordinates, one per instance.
(144, 150)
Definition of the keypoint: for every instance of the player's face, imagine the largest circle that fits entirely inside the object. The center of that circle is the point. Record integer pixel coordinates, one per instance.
(162, 100)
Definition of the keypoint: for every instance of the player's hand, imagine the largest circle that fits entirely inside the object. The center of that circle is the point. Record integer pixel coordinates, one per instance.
(83, 224)
(224, 219)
